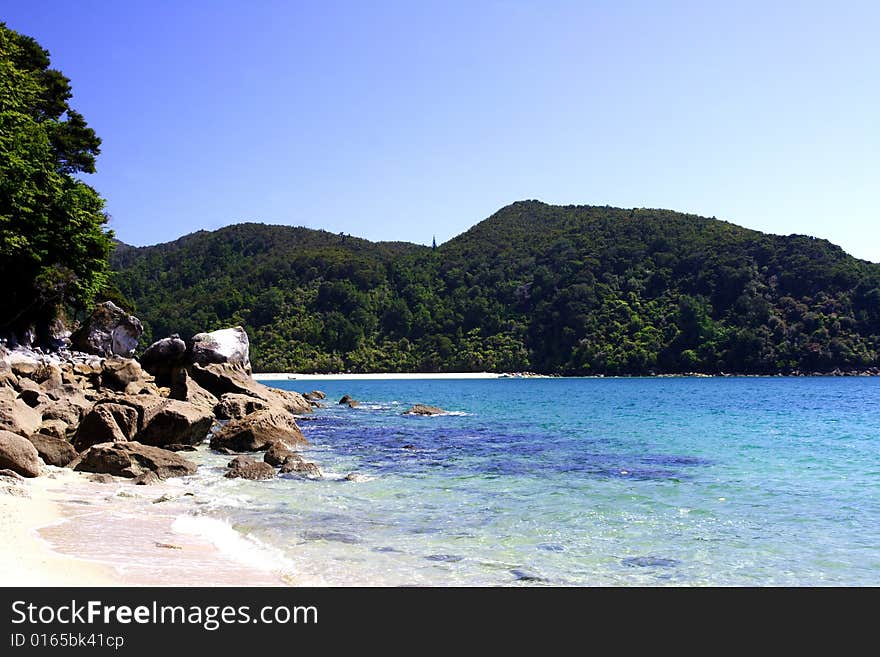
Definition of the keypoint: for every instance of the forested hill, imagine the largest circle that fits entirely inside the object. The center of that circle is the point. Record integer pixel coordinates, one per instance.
(552, 289)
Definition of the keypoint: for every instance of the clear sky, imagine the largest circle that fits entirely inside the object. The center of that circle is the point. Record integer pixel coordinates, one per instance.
(404, 120)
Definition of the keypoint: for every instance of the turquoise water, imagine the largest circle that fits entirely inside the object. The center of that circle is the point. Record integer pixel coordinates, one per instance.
(733, 481)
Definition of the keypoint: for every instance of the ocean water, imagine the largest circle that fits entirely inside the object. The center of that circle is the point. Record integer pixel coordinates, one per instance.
(548, 482)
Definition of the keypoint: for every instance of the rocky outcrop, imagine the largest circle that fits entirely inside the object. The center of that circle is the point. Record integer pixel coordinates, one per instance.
(347, 400)
(244, 467)
(53, 450)
(222, 379)
(16, 416)
(175, 422)
(277, 454)
(224, 346)
(108, 331)
(19, 455)
(233, 406)
(298, 466)
(164, 357)
(133, 459)
(124, 375)
(106, 423)
(314, 395)
(258, 432)
(422, 409)
(184, 388)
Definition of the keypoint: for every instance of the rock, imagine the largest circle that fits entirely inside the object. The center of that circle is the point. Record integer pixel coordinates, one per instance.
(70, 408)
(224, 346)
(347, 399)
(422, 409)
(259, 431)
(133, 459)
(19, 455)
(53, 450)
(220, 379)
(296, 465)
(175, 422)
(184, 388)
(177, 447)
(109, 330)
(8, 379)
(54, 428)
(164, 357)
(119, 373)
(314, 395)
(59, 335)
(106, 423)
(233, 406)
(102, 479)
(16, 416)
(277, 453)
(147, 479)
(33, 398)
(244, 467)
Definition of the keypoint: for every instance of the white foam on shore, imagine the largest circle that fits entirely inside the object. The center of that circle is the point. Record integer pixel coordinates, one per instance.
(246, 550)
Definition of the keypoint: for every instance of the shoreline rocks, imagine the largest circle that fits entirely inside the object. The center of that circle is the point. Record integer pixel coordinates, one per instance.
(423, 409)
(109, 416)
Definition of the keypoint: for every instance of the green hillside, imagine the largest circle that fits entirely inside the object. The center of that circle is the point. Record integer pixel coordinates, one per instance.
(569, 290)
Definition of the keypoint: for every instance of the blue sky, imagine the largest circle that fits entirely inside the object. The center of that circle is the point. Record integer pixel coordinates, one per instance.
(404, 120)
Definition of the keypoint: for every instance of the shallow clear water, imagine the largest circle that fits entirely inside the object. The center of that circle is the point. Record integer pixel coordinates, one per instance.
(734, 481)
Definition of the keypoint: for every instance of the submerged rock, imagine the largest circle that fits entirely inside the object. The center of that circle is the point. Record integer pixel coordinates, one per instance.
(19, 455)
(133, 459)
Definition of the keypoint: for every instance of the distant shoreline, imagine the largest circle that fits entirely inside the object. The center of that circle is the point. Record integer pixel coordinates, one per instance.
(416, 376)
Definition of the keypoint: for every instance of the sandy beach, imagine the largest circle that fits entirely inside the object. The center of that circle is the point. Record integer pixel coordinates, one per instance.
(295, 376)
(63, 530)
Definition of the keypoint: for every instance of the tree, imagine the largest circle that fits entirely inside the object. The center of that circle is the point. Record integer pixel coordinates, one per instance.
(53, 247)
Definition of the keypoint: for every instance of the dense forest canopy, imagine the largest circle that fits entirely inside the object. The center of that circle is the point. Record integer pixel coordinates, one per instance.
(53, 247)
(567, 290)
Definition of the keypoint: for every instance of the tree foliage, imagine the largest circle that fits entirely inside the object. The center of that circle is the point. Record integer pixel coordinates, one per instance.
(53, 248)
(568, 290)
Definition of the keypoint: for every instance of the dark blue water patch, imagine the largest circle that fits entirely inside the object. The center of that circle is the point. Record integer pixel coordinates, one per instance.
(551, 547)
(446, 558)
(650, 562)
(338, 537)
(525, 576)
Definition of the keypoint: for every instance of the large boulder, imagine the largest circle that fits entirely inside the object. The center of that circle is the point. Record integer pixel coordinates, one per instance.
(176, 423)
(233, 406)
(133, 459)
(16, 416)
(124, 375)
(106, 423)
(163, 357)
(244, 467)
(258, 432)
(53, 450)
(224, 346)
(108, 331)
(222, 378)
(19, 455)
